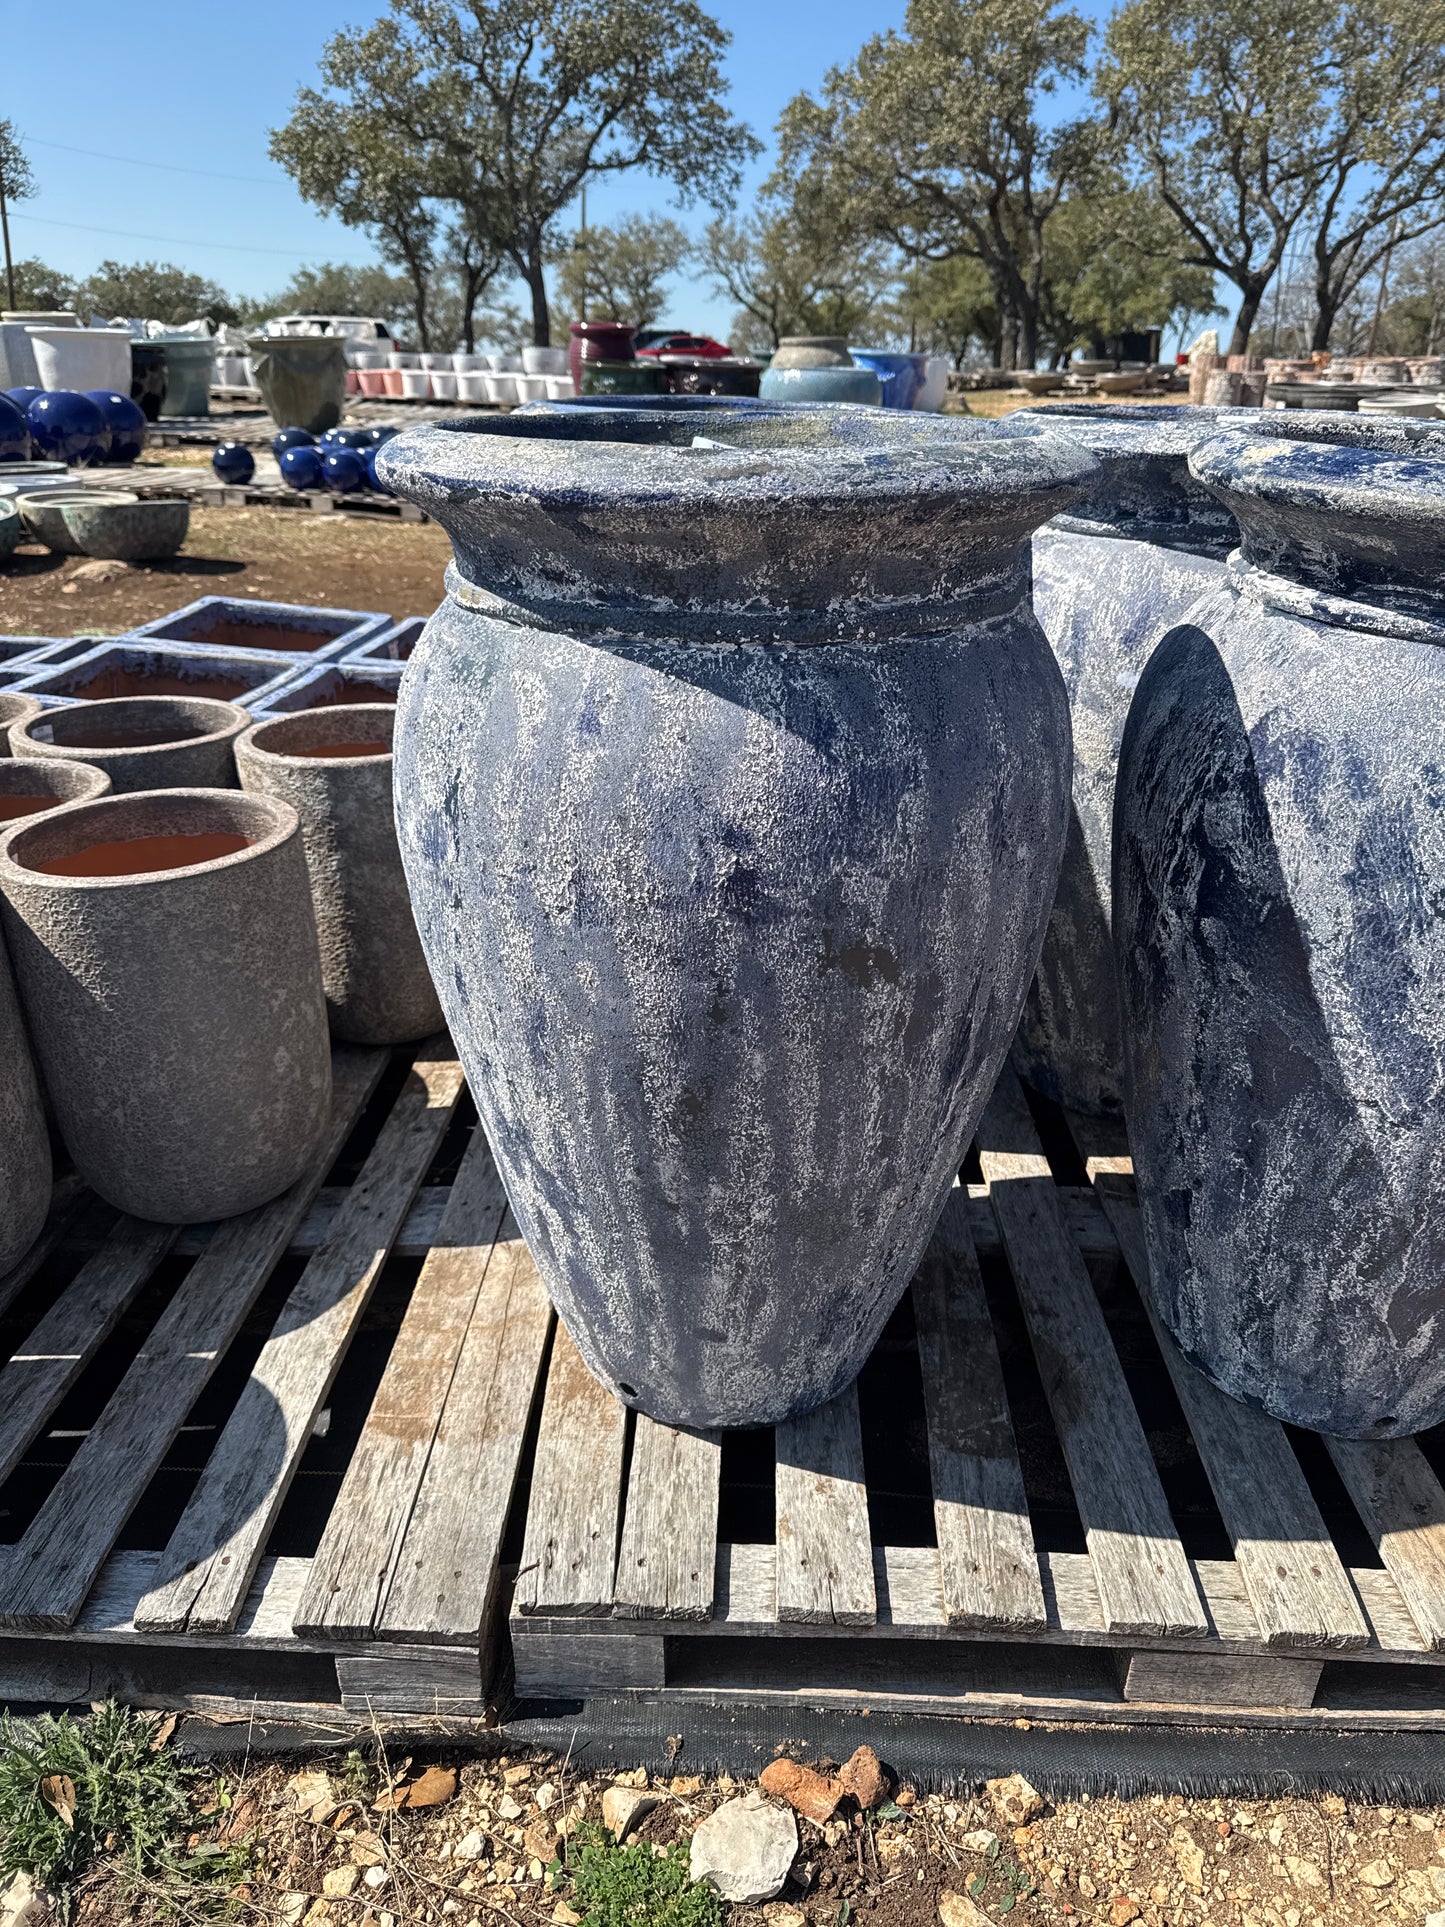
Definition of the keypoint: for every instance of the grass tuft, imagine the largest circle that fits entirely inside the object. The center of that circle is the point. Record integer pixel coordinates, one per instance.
(637, 1886)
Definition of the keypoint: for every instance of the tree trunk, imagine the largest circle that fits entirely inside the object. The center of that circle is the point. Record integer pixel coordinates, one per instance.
(1326, 308)
(1253, 289)
(536, 282)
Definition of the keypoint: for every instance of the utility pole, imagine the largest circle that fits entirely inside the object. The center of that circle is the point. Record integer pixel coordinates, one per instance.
(5, 228)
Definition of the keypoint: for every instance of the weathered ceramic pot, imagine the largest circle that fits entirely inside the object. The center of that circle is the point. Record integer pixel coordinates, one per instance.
(822, 383)
(141, 742)
(15, 710)
(25, 1167)
(27, 788)
(731, 788)
(166, 956)
(1279, 844)
(1110, 578)
(333, 766)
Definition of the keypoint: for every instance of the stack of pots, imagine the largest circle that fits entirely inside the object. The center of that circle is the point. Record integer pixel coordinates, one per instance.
(818, 368)
(732, 785)
(602, 359)
(183, 949)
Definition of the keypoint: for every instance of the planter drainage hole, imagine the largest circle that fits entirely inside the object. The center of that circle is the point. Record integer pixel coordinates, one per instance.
(627, 1391)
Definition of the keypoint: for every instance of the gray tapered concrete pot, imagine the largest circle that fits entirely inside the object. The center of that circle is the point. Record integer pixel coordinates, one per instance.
(1111, 577)
(378, 987)
(46, 785)
(15, 709)
(197, 736)
(25, 1169)
(178, 1017)
(731, 786)
(1279, 850)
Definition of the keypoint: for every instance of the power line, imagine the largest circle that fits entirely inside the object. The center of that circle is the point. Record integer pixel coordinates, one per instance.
(165, 167)
(163, 240)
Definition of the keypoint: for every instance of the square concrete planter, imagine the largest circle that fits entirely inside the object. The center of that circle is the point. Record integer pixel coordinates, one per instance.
(124, 668)
(394, 644)
(286, 629)
(332, 683)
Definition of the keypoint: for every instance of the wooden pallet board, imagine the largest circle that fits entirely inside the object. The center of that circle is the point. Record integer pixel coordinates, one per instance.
(394, 1612)
(1285, 1630)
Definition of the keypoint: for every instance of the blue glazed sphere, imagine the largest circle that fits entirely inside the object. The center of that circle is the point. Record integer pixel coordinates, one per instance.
(344, 470)
(126, 422)
(14, 435)
(291, 438)
(346, 438)
(373, 481)
(68, 427)
(234, 463)
(301, 467)
(22, 397)
(380, 433)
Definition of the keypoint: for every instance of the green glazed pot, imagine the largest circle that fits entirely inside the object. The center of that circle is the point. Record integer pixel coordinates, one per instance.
(622, 378)
(189, 362)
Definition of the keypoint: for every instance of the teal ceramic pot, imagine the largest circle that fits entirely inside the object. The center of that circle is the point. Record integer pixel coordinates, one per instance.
(622, 378)
(822, 384)
(189, 360)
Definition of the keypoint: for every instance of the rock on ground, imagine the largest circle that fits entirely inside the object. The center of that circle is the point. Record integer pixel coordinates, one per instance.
(746, 1848)
(622, 1808)
(957, 1910)
(1014, 1800)
(802, 1788)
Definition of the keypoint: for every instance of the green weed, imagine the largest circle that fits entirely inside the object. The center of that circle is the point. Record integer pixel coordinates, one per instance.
(635, 1887)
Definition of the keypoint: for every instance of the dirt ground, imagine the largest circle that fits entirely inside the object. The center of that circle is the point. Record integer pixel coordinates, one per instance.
(329, 1845)
(278, 555)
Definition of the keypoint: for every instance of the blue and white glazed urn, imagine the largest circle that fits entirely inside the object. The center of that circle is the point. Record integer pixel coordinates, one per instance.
(1111, 577)
(1279, 912)
(731, 785)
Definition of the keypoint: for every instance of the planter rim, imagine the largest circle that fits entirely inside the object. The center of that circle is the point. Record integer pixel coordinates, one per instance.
(230, 718)
(560, 457)
(137, 806)
(1351, 509)
(16, 771)
(316, 725)
(1122, 430)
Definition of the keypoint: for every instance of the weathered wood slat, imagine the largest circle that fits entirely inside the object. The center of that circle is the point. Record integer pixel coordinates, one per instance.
(986, 1553)
(1402, 1505)
(444, 1583)
(1298, 1586)
(825, 1558)
(1143, 1576)
(45, 1577)
(1223, 1679)
(569, 1555)
(585, 1662)
(222, 1533)
(48, 1362)
(669, 1533)
(353, 1565)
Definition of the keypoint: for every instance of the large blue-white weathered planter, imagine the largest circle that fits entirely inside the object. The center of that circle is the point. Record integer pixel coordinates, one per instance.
(1110, 578)
(1280, 920)
(731, 787)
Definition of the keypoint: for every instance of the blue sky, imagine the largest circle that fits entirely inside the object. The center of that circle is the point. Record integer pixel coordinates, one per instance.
(192, 93)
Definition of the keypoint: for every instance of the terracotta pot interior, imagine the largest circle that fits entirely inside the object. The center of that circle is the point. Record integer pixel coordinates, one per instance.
(329, 731)
(285, 638)
(133, 722)
(147, 833)
(19, 804)
(116, 681)
(349, 694)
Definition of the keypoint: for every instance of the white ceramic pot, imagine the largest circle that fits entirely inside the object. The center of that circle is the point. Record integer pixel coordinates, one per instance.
(532, 387)
(507, 364)
(932, 394)
(415, 384)
(502, 390)
(472, 388)
(431, 361)
(466, 364)
(398, 360)
(82, 358)
(367, 358)
(444, 384)
(545, 361)
(559, 388)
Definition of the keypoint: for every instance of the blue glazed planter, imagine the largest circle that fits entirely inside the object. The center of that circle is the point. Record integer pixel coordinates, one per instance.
(1110, 578)
(900, 376)
(821, 384)
(14, 432)
(68, 427)
(1279, 848)
(731, 787)
(126, 422)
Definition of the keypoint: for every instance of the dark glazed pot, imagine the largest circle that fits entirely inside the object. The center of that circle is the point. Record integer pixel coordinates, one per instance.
(141, 742)
(1279, 847)
(1110, 578)
(378, 988)
(149, 377)
(731, 788)
(177, 1014)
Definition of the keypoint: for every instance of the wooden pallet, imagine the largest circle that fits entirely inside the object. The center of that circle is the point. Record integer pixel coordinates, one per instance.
(627, 1585)
(317, 501)
(394, 1610)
